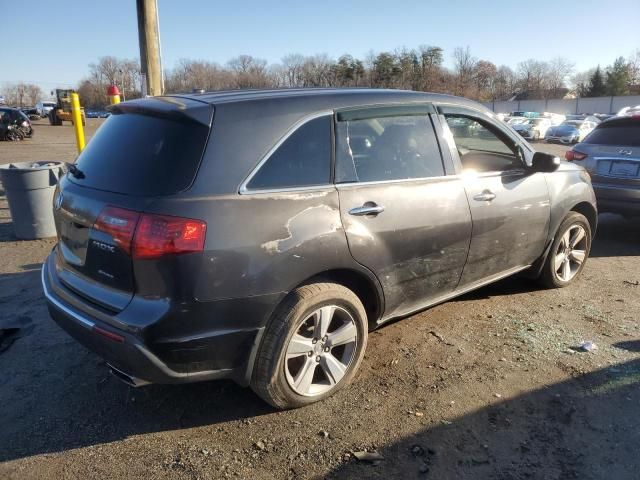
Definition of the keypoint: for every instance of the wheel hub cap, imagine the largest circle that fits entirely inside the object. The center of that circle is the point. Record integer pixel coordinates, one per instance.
(320, 351)
(571, 253)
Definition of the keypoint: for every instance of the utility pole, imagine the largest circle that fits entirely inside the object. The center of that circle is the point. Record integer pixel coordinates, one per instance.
(149, 39)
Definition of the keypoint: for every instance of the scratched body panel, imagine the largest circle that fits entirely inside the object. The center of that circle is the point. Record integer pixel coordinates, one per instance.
(511, 230)
(418, 246)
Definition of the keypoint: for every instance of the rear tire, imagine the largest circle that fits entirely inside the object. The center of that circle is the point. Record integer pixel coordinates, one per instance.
(312, 346)
(569, 252)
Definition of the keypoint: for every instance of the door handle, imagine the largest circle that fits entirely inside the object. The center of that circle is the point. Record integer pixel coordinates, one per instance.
(485, 196)
(369, 208)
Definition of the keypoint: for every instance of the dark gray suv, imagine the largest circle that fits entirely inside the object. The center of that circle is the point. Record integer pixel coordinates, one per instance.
(260, 235)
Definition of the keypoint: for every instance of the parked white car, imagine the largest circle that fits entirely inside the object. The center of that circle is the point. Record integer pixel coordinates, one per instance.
(629, 111)
(43, 108)
(554, 118)
(534, 128)
(515, 120)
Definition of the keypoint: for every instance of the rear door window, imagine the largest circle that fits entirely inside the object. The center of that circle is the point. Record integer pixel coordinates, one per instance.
(387, 148)
(624, 135)
(302, 160)
(142, 155)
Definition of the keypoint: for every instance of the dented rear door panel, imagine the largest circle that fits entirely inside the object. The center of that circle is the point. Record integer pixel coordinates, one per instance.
(417, 246)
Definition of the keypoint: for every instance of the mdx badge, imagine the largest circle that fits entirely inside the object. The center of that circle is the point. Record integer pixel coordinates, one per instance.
(103, 246)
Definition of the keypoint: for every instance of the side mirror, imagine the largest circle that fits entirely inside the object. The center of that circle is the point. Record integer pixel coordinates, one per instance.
(544, 162)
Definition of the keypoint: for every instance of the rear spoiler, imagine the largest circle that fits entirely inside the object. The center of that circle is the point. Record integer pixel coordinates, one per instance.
(174, 108)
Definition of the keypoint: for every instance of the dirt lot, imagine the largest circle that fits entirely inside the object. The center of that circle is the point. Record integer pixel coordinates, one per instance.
(486, 386)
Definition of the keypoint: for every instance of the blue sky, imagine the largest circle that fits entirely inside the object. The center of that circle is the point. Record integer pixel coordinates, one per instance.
(504, 32)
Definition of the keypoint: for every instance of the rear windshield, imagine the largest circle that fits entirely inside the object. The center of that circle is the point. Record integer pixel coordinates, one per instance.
(623, 135)
(142, 155)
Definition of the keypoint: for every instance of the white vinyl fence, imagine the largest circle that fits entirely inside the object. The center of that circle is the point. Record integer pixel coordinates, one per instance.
(566, 106)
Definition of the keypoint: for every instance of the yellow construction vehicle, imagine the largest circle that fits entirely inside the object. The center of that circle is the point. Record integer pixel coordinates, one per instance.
(62, 111)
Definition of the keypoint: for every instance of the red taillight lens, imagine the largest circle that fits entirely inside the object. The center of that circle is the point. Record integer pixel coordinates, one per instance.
(573, 155)
(120, 224)
(159, 235)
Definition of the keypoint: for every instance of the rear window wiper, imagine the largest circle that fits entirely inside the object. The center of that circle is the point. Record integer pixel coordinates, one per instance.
(75, 171)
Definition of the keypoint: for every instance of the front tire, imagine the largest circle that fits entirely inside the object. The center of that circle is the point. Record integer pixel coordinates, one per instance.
(569, 252)
(312, 346)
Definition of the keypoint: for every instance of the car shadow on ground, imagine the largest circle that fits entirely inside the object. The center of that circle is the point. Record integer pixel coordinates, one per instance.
(587, 427)
(56, 395)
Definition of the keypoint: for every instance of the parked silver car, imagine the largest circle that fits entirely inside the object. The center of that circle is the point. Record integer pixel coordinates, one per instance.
(571, 131)
(611, 154)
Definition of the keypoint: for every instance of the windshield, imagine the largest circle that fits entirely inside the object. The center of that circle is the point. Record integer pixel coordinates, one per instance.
(573, 124)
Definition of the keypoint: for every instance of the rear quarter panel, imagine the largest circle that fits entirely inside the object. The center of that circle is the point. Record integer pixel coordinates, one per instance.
(265, 243)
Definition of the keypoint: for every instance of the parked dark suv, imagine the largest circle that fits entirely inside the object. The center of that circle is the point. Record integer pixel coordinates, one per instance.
(259, 235)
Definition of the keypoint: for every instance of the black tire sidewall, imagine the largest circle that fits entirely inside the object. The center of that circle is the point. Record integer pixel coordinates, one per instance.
(285, 324)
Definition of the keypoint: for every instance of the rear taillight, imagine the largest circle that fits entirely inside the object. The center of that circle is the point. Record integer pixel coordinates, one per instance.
(120, 224)
(159, 235)
(574, 155)
(145, 235)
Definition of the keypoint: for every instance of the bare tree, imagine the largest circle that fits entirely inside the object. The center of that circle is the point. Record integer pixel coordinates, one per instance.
(431, 59)
(580, 82)
(558, 71)
(293, 66)
(506, 83)
(634, 67)
(464, 66)
(249, 72)
(534, 78)
(484, 78)
(22, 94)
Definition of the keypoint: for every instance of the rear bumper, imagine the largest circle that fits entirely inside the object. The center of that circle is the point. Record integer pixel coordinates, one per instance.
(215, 354)
(617, 199)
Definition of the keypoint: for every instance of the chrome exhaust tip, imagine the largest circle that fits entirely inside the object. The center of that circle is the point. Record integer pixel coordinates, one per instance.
(126, 378)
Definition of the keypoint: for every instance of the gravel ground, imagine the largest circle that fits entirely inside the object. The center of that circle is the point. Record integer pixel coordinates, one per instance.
(486, 386)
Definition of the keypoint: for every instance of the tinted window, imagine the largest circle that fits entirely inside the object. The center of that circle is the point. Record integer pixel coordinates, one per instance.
(142, 155)
(303, 160)
(481, 146)
(628, 135)
(388, 148)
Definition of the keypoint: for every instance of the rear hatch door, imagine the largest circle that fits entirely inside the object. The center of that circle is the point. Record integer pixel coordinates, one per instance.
(145, 150)
(614, 151)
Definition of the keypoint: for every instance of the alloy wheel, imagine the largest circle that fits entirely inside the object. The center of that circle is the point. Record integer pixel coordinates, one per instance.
(321, 350)
(571, 253)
